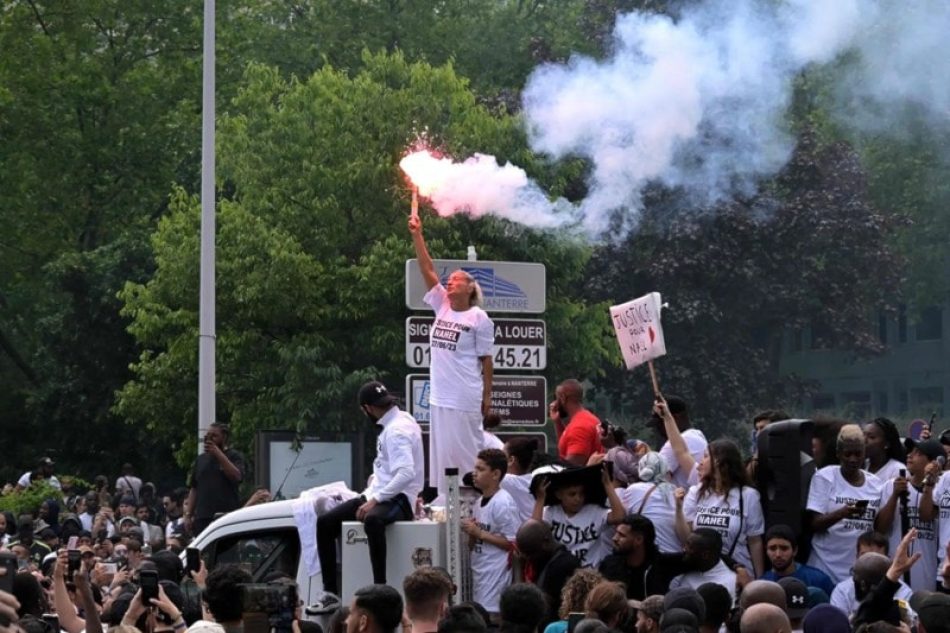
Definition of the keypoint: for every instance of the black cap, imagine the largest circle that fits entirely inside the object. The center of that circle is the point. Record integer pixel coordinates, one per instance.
(932, 449)
(375, 394)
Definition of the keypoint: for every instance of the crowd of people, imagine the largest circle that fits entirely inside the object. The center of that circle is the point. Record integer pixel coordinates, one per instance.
(606, 522)
(606, 535)
(599, 537)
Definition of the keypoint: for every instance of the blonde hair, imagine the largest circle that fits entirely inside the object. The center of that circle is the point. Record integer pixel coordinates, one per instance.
(477, 298)
(574, 593)
(850, 434)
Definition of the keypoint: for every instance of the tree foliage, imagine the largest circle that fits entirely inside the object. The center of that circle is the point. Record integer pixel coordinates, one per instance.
(810, 250)
(311, 250)
(96, 121)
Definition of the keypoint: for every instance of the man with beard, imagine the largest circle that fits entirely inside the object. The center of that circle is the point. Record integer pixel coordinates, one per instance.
(636, 561)
(578, 430)
(781, 548)
(398, 478)
(704, 555)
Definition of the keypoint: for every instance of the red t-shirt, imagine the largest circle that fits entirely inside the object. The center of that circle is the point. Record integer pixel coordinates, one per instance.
(581, 437)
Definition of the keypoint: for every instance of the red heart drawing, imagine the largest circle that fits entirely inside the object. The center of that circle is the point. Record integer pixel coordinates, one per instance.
(652, 334)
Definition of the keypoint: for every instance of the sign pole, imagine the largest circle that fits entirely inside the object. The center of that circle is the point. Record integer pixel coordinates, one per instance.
(656, 385)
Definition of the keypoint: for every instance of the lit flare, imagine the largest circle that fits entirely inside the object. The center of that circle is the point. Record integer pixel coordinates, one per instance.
(425, 171)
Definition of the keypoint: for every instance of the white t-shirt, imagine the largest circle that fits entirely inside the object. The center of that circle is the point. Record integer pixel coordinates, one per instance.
(890, 470)
(696, 443)
(660, 508)
(924, 571)
(941, 497)
(492, 441)
(833, 550)
(720, 575)
(519, 487)
(128, 483)
(457, 341)
(843, 597)
(491, 572)
(723, 514)
(24, 481)
(581, 533)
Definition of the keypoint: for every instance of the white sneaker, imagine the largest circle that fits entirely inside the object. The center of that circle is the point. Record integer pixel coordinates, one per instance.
(328, 603)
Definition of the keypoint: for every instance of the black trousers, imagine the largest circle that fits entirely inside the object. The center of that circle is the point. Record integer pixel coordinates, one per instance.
(330, 524)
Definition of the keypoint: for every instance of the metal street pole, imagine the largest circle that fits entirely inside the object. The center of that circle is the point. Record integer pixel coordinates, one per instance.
(206, 336)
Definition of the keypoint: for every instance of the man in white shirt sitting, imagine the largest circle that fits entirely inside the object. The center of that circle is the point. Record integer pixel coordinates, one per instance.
(703, 550)
(398, 476)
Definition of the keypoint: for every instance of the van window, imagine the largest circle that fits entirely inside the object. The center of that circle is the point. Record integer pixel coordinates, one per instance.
(260, 553)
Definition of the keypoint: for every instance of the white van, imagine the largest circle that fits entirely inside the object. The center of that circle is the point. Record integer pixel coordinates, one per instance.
(264, 539)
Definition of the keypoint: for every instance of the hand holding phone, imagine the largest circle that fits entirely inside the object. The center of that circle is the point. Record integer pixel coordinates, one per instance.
(148, 581)
(8, 569)
(74, 558)
(193, 559)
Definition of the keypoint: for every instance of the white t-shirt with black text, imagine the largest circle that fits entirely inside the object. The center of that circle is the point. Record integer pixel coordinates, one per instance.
(924, 571)
(581, 533)
(833, 550)
(491, 572)
(724, 514)
(457, 340)
(941, 498)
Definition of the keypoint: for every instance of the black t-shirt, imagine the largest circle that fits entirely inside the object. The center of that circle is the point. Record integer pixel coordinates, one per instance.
(553, 577)
(651, 578)
(214, 492)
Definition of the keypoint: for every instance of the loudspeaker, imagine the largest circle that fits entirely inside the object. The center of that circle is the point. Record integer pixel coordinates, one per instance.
(784, 473)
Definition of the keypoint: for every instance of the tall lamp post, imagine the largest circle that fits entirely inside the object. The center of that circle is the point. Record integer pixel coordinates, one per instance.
(206, 335)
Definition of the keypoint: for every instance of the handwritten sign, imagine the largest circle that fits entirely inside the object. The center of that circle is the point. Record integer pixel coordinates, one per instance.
(639, 330)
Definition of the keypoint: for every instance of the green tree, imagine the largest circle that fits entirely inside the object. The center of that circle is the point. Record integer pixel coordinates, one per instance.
(311, 249)
(810, 250)
(97, 118)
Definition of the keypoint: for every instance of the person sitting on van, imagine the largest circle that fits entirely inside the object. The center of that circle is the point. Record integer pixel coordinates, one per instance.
(398, 478)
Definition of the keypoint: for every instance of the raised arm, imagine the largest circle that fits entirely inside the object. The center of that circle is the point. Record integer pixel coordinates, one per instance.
(684, 459)
(422, 253)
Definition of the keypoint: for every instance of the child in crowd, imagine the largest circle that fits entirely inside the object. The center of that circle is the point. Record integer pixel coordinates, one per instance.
(492, 530)
(572, 503)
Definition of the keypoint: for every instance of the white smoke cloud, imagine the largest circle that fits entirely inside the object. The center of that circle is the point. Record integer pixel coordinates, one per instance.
(479, 186)
(699, 102)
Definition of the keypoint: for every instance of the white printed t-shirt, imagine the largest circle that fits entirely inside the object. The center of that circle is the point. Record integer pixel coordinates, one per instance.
(491, 572)
(660, 508)
(723, 514)
(581, 533)
(457, 340)
(941, 497)
(696, 443)
(833, 550)
(924, 571)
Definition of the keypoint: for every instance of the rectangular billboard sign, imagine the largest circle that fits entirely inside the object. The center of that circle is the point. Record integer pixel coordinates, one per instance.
(507, 286)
